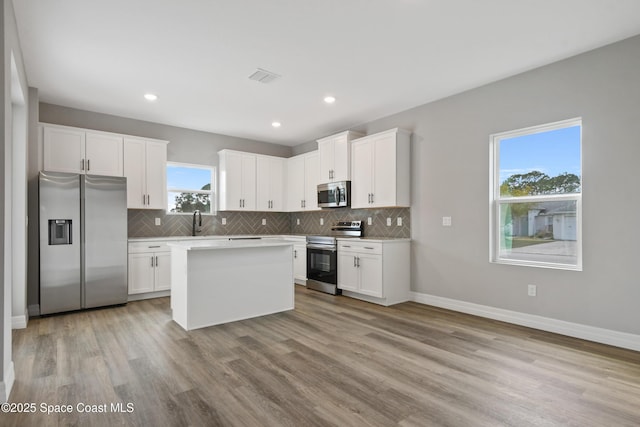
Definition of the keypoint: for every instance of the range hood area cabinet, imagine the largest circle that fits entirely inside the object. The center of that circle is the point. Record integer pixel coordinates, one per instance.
(145, 166)
(380, 170)
(302, 182)
(335, 157)
(81, 151)
(237, 181)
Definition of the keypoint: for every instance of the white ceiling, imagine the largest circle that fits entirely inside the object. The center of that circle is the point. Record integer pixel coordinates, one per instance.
(377, 57)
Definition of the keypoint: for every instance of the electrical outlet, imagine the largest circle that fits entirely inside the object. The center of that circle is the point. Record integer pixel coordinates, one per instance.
(321, 221)
(369, 221)
(532, 290)
(446, 221)
(388, 222)
(399, 221)
(264, 221)
(224, 221)
(297, 221)
(158, 221)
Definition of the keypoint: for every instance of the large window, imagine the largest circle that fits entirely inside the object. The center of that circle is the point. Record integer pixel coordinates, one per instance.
(190, 187)
(536, 185)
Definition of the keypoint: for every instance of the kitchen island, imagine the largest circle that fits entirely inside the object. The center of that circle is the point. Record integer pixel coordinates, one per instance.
(220, 281)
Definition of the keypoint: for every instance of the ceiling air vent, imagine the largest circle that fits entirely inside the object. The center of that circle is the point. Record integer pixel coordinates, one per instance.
(264, 76)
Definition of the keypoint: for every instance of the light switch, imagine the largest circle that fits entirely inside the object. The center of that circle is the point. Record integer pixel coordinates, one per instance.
(388, 222)
(224, 221)
(297, 221)
(158, 221)
(264, 221)
(321, 221)
(369, 221)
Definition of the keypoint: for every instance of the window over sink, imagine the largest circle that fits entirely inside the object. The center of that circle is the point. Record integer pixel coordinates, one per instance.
(190, 187)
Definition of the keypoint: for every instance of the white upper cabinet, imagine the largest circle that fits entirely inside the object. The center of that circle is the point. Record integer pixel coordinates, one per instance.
(302, 182)
(145, 166)
(270, 183)
(335, 157)
(74, 150)
(237, 181)
(380, 170)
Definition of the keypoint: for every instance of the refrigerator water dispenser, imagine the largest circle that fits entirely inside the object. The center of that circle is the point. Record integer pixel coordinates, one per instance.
(60, 232)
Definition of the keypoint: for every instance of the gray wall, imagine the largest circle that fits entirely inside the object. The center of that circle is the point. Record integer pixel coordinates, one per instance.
(450, 177)
(186, 145)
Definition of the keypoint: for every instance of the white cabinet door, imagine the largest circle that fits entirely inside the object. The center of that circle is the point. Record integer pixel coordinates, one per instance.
(370, 270)
(341, 160)
(145, 166)
(104, 154)
(156, 174)
(384, 166)
(135, 170)
(162, 271)
(311, 181)
(361, 184)
(325, 156)
(348, 275)
(269, 183)
(300, 262)
(295, 183)
(64, 149)
(237, 181)
(141, 273)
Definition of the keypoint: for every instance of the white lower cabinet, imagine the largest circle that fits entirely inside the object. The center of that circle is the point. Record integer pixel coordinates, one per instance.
(374, 270)
(149, 267)
(300, 263)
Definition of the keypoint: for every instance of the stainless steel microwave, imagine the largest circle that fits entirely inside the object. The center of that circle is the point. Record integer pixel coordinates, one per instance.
(334, 194)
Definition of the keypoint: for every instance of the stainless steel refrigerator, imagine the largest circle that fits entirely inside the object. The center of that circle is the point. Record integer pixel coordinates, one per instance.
(83, 241)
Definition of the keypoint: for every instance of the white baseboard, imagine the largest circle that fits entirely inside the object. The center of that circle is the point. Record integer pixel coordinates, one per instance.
(19, 322)
(148, 295)
(576, 330)
(7, 384)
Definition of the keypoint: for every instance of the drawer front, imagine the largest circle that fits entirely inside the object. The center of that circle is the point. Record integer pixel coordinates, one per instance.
(361, 247)
(142, 247)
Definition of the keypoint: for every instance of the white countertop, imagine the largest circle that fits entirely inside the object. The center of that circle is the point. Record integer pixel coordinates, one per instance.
(228, 244)
(291, 237)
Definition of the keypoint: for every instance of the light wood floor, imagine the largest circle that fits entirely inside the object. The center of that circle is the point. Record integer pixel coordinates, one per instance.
(333, 361)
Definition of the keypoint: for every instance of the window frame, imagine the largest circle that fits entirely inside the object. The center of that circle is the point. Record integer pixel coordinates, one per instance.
(212, 192)
(496, 200)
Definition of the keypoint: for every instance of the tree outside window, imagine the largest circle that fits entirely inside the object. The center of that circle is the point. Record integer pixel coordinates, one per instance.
(190, 188)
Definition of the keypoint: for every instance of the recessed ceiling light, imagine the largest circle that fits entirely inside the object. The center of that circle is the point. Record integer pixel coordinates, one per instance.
(150, 96)
(329, 99)
(276, 124)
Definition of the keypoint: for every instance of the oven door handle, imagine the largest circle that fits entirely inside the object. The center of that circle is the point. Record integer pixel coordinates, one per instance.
(321, 247)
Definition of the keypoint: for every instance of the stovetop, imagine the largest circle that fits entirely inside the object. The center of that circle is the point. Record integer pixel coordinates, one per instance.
(339, 229)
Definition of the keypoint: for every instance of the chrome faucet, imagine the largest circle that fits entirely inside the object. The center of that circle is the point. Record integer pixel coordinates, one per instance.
(193, 223)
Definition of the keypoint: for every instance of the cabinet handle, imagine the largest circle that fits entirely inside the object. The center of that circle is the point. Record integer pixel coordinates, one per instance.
(150, 247)
(358, 258)
(371, 197)
(346, 246)
(295, 254)
(156, 260)
(82, 164)
(302, 203)
(354, 262)
(152, 262)
(144, 199)
(88, 166)
(149, 199)
(369, 247)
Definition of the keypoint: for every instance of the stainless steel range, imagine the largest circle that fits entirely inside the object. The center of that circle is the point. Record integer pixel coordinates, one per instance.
(322, 256)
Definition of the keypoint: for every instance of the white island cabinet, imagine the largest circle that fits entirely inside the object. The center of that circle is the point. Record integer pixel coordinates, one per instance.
(221, 281)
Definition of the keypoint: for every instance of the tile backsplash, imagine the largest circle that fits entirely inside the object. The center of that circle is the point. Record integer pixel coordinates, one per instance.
(142, 222)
